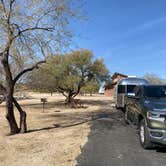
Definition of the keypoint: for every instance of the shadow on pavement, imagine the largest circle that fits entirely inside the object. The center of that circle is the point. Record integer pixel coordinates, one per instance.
(112, 143)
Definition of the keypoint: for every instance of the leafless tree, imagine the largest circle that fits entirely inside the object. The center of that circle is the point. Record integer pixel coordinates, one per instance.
(154, 79)
(30, 30)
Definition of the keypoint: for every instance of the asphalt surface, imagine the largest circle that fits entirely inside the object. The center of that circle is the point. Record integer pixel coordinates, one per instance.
(112, 143)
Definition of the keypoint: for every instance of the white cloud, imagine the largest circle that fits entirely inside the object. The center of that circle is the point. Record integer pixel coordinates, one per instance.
(150, 24)
(143, 27)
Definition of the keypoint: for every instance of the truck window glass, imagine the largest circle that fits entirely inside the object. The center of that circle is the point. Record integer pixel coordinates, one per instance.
(155, 91)
(121, 88)
(137, 91)
(130, 88)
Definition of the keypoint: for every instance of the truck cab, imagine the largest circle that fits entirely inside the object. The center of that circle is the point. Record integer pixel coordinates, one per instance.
(147, 110)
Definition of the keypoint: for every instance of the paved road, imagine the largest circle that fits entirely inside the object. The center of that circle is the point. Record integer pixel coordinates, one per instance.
(111, 143)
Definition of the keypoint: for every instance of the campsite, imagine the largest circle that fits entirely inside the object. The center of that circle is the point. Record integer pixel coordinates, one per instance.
(82, 83)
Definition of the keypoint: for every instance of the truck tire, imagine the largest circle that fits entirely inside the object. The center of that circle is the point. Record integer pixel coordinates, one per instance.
(144, 136)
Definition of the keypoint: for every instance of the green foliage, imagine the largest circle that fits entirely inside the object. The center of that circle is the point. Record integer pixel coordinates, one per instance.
(70, 72)
(91, 87)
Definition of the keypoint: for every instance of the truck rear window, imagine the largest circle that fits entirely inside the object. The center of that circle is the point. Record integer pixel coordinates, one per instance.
(130, 88)
(121, 88)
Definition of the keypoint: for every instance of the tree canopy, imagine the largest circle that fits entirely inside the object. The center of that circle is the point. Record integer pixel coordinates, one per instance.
(70, 72)
(91, 87)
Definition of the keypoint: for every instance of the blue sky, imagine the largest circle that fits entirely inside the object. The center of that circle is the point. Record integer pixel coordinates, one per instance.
(130, 35)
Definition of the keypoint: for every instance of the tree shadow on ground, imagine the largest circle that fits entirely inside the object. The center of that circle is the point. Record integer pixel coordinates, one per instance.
(65, 119)
(111, 142)
(69, 119)
(95, 102)
(61, 104)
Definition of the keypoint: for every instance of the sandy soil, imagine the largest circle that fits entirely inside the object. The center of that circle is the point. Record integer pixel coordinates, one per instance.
(54, 137)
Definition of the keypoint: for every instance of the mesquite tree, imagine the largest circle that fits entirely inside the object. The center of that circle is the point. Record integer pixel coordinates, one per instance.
(29, 30)
(70, 72)
(91, 87)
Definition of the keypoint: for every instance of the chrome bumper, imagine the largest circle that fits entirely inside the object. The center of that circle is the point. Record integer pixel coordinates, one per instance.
(160, 140)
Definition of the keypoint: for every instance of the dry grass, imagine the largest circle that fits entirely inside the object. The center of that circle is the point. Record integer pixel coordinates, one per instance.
(54, 137)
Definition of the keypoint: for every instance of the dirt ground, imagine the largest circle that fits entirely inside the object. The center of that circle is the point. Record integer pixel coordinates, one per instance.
(55, 137)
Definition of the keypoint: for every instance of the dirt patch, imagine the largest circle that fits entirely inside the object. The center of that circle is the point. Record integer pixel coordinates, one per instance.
(54, 137)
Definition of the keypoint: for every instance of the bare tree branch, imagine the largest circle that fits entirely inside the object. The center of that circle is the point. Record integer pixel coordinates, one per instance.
(1, 56)
(23, 126)
(31, 29)
(10, 10)
(2, 89)
(44, 14)
(62, 92)
(4, 8)
(36, 66)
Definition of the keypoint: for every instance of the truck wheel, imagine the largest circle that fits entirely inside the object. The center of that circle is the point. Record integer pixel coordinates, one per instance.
(144, 136)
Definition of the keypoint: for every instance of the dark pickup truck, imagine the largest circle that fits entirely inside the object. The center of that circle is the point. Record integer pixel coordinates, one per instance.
(147, 110)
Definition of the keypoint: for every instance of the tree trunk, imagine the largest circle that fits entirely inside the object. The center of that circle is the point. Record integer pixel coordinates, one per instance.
(10, 115)
(9, 95)
(69, 98)
(23, 124)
